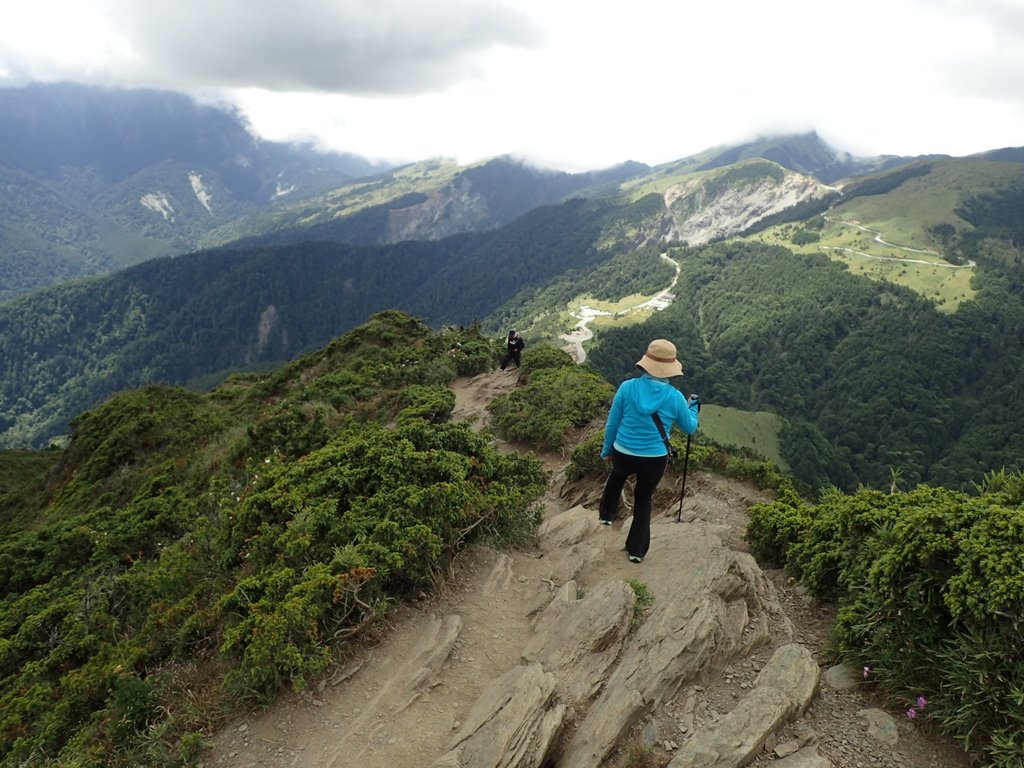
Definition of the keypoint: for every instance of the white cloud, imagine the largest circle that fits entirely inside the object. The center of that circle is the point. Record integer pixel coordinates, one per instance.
(566, 83)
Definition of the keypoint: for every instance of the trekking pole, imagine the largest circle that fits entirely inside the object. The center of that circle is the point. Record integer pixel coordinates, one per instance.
(686, 459)
(682, 492)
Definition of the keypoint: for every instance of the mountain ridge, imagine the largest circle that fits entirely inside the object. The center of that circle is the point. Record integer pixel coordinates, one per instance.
(454, 280)
(194, 318)
(146, 172)
(129, 166)
(198, 556)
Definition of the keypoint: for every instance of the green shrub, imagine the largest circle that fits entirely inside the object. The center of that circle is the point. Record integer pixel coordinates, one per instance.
(775, 526)
(980, 696)
(175, 536)
(763, 472)
(552, 402)
(471, 352)
(929, 586)
(432, 403)
(837, 539)
(277, 643)
(544, 356)
(1009, 485)
(289, 430)
(586, 457)
(804, 237)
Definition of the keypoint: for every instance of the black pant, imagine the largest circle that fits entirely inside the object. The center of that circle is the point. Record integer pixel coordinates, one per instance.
(512, 356)
(649, 471)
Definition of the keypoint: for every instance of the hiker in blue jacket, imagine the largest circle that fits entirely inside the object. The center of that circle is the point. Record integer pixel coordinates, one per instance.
(634, 444)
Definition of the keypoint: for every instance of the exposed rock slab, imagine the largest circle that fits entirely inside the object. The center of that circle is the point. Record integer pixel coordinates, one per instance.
(409, 681)
(512, 725)
(579, 638)
(715, 606)
(782, 691)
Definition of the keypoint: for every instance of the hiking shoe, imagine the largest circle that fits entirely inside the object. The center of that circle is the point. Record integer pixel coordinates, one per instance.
(635, 559)
(606, 522)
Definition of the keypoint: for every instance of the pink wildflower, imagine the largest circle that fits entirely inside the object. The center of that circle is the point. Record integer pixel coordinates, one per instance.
(867, 671)
(922, 702)
(912, 713)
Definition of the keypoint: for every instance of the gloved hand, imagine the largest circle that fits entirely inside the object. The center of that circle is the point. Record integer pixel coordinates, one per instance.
(694, 400)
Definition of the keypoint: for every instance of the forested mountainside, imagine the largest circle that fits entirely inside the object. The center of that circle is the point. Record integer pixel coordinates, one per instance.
(442, 202)
(93, 180)
(878, 379)
(197, 317)
(193, 319)
(871, 378)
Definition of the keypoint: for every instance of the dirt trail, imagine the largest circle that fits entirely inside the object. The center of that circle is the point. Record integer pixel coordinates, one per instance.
(400, 701)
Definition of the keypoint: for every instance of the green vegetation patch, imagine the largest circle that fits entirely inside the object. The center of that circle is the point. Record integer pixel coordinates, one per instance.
(417, 178)
(23, 480)
(880, 256)
(755, 431)
(625, 280)
(644, 601)
(892, 226)
(906, 212)
(929, 585)
(554, 399)
(196, 554)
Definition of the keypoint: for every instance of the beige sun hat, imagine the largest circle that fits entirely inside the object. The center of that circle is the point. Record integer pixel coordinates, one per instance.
(660, 360)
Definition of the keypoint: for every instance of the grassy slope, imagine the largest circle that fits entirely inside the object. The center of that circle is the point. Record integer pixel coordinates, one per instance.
(864, 255)
(758, 432)
(924, 201)
(422, 177)
(903, 216)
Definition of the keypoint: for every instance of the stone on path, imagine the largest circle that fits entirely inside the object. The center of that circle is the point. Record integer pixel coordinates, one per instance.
(807, 757)
(881, 726)
(843, 677)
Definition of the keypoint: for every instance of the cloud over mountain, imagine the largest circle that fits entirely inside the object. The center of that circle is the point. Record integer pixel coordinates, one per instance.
(385, 47)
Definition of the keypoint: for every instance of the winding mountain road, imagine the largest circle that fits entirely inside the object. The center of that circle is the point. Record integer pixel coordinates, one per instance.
(881, 241)
(582, 333)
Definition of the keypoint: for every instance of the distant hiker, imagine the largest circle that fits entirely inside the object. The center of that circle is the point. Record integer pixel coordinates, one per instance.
(514, 344)
(634, 443)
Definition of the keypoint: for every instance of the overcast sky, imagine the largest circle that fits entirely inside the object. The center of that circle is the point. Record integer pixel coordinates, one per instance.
(570, 84)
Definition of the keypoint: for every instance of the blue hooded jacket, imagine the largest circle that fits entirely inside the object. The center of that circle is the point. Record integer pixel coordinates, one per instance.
(630, 428)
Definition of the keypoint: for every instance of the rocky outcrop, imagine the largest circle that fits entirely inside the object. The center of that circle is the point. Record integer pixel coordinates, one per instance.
(512, 725)
(593, 657)
(782, 691)
(712, 608)
(712, 205)
(454, 208)
(580, 639)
